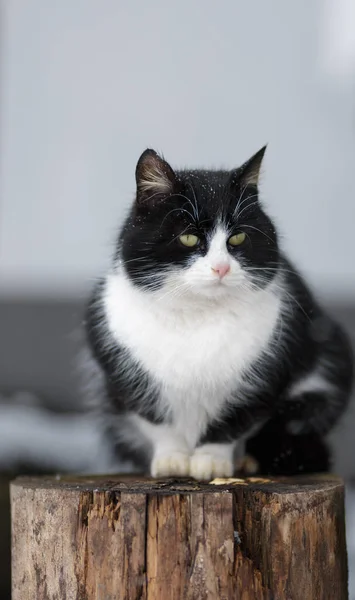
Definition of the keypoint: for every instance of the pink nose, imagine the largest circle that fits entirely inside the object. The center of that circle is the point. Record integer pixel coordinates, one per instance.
(221, 270)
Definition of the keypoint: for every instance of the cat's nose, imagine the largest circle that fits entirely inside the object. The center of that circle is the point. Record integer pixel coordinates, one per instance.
(221, 270)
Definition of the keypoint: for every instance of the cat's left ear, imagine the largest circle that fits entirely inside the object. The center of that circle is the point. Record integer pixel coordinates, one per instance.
(154, 176)
(249, 173)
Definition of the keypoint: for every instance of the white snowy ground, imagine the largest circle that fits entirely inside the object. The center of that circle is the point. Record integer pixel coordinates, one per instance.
(74, 443)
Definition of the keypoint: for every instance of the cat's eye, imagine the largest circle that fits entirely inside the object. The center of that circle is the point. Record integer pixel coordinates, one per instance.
(189, 240)
(237, 239)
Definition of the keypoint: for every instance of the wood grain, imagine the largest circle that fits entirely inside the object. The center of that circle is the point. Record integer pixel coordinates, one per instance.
(137, 538)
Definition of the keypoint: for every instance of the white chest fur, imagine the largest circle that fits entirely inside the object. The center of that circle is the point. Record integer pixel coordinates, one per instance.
(196, 355)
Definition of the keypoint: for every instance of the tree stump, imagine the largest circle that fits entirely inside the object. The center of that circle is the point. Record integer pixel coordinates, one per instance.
(127, 538)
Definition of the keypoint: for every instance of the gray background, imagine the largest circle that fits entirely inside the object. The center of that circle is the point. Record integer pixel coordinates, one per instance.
(86, 85)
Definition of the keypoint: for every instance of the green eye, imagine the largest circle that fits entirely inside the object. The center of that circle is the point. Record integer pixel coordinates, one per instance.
(237, 239)
(189, 240)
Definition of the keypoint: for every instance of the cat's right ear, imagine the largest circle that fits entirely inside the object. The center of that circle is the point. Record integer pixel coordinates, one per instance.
(154, 177)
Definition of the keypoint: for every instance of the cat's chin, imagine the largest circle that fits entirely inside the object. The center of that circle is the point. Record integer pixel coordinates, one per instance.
(213, 291)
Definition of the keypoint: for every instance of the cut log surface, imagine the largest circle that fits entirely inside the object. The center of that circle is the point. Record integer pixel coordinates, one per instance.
(127, 538)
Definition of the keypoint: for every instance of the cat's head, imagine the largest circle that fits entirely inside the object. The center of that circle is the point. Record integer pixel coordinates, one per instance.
(198, 232)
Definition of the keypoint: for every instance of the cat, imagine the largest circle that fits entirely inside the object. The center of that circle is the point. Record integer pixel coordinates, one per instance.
(204, 335)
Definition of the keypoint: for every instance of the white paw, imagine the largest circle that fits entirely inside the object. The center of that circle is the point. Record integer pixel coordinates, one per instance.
(205, 467)
(173, 463)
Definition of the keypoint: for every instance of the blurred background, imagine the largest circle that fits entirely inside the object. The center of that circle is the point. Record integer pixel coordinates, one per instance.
(86, 86)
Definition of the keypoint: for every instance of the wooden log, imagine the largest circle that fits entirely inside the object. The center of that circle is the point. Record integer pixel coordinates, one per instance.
(137, 538)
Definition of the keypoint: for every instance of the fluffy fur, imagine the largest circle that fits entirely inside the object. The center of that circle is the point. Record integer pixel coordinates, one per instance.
(203, 347)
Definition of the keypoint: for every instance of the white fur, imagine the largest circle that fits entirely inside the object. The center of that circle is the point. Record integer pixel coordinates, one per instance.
(313, 382)
(155, 180)
(212, 460)
(194, 337)
(171, 454)
(217, 253)
(202, 278)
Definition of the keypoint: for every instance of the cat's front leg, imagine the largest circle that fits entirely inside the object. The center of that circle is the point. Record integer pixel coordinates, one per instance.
(169, 452)
(221, 451)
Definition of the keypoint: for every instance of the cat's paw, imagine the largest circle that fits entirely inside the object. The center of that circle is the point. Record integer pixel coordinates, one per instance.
(248, 465)
(170, 464)
(205, 466)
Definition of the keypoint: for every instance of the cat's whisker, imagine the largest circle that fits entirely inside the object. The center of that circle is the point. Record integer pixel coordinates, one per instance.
(177, 210)
(173, 291)
(246, 208)
(241, 202)
(239, 199)
(149, 198)
(288, 294)
(194, 208)
(257, 229)
(195, 199)
(142, 258)
(179, 234)
(298, 304)
(278, 269)
(204, 221)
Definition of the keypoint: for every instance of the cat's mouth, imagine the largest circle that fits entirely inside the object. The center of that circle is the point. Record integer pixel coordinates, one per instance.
(213, 288)
(216, 282)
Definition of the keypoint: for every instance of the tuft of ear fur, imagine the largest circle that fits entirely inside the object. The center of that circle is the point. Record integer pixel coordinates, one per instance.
(154, 176)
(249, 172)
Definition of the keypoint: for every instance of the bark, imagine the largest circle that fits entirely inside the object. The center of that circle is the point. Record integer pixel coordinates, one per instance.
(137, 538)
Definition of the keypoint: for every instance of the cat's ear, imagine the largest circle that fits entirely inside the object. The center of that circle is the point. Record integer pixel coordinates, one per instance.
(154, 176)
(249, 172)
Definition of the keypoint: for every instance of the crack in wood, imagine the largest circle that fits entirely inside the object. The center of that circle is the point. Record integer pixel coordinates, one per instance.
(129, 538)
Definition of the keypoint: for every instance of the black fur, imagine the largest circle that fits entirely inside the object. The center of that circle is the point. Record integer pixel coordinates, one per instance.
(278, 452)
(292, 438)
(155, 223)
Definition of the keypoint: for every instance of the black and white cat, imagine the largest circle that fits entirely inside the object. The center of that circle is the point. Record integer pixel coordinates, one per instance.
(205, 334)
